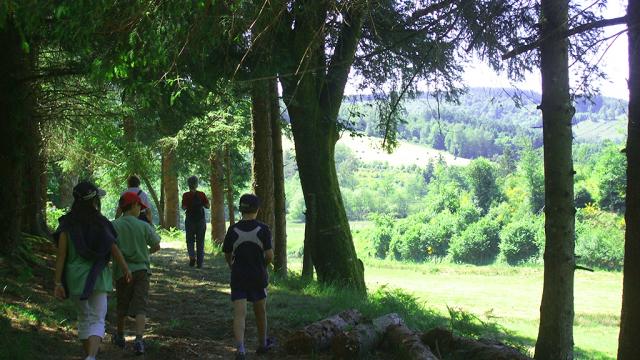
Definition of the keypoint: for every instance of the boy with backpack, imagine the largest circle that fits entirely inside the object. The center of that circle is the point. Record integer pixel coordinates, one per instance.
(133, 185)
(136, 240)
(247, 249)
(194, 202)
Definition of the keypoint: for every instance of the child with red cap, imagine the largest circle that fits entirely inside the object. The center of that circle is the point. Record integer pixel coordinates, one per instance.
(136, 240)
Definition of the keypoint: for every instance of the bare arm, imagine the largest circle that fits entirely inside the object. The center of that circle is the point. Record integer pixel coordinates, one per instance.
(149, 215)
(61, 256)
(268, 256)
(117, 257)
(154, 248)
(206, 201)
(229, 258)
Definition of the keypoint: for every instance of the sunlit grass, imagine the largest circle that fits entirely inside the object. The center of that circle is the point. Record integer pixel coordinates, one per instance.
(505, 295)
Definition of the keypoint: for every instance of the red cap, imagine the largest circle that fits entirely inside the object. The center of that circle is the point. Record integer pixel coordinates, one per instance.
(131, 198)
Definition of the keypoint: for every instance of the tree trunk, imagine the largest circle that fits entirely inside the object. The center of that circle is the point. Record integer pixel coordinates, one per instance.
(333, 253)
(228, 177)
(453, 347)
(66, 182)
(170, 183)
(313, 101)
(280, 212)
(34, 206)
(630, 317)
(309, 232)
(15, 111)
(161, 215)
(152, 192)
(317, 336)
(408, 343)
(555, 334)
(262, 152)
(363, 338)
(217, 198)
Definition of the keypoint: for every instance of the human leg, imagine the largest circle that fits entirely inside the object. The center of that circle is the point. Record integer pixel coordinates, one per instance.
(190, 233)
(260, 311)
(200, 231)
(91, 314)
(239, 317)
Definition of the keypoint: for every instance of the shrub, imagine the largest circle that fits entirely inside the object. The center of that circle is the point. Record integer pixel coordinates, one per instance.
(409, 240)
(381, 233)
(599, 238)
(520, 241)
(477, 244)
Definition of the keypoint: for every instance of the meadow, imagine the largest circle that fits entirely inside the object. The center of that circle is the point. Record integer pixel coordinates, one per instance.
(506, 295)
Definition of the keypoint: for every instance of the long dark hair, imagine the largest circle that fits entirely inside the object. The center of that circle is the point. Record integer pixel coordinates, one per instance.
(85, 211)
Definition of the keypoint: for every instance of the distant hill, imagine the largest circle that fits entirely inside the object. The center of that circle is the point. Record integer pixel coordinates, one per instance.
(486, 121)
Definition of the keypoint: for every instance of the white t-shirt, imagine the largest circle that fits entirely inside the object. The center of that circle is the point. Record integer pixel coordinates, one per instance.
(143, 195)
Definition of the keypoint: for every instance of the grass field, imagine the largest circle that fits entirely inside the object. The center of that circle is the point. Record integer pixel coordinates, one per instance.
(508, 296)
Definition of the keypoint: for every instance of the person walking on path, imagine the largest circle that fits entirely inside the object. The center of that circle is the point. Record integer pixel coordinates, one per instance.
(194, 202)
(247, 250)
(86, 242)
(136, 240)
(133, 183)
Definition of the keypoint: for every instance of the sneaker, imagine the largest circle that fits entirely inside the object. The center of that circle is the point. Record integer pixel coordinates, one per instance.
(138, 347)
(265, 349)
(192, 262)
(240, 355)
(119, 341)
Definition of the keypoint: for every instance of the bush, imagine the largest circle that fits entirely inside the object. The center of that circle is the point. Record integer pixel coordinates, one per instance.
(53, 214)
(381, 234)
(477, 244)
(521, 241)
(409, 239)
(599, 238)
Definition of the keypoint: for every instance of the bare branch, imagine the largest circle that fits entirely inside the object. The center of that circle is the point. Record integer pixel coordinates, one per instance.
(576, 30)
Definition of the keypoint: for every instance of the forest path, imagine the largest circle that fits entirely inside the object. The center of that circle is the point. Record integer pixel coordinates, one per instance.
(189, 314)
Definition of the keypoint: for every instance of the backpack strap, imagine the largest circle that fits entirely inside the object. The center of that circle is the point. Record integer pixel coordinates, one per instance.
(247, 236)
(144, 210)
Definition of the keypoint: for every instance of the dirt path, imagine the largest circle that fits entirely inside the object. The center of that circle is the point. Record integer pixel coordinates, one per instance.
(190, 314)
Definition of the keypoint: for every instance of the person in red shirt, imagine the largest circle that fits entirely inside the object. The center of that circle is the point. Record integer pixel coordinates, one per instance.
(194, 202)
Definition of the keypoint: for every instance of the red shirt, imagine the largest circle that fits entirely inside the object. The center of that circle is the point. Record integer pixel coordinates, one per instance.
(187, 199)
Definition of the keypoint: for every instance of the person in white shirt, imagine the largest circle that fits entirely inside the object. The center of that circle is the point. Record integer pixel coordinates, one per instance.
(133, 183)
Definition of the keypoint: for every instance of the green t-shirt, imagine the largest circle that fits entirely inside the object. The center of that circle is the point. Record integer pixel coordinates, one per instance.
(77, 269)
(135, 237)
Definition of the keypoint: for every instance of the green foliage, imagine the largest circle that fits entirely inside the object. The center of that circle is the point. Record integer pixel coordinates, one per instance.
(530, 169)
(478, 244)
(53, 214)
(482, 177)
(599, 238)
(381, 234)
(610, 172)
(521, 240)
(582, 196)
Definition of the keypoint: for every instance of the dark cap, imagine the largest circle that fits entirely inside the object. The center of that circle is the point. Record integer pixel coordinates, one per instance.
(249, 203)
(129, 198)
(85, 190)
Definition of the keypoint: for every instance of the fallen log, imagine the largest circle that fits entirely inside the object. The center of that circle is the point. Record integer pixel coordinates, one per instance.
(408, 343)
(317, 336)
(359, 341)
(444, 343)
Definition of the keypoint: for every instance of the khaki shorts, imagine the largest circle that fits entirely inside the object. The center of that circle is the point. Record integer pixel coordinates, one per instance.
(132, 297)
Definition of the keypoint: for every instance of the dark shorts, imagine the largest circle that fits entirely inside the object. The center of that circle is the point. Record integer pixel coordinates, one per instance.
(132, 297)
(250, 295)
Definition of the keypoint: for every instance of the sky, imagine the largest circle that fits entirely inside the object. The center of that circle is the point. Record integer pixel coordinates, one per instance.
(614, 63)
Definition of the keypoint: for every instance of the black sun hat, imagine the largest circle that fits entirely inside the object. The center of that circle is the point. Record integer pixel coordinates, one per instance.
(86, 190)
